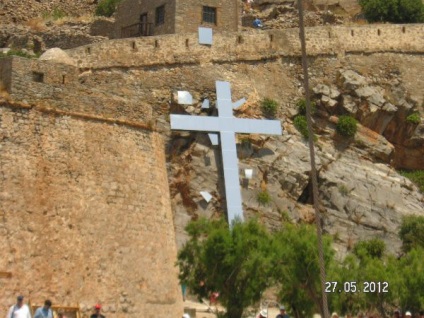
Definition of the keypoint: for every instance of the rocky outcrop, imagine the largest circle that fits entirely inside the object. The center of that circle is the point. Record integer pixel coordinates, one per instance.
(386, 115)
(46, 35)
(13, 11)
(57, 55)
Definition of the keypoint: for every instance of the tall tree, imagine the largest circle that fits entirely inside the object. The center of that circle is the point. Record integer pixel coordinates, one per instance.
(297, 267)
(236, 263)
(412, 232)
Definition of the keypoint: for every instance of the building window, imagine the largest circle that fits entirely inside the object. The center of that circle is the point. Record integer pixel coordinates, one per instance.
(160, 15)
(209, 15)
(38, 77)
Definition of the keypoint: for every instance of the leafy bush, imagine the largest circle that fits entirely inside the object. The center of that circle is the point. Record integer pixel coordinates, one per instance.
(396, 11)
(301, 125)
(107, 7)
(301, 107)
(347, 126)
(269, 107)
(263, 197)
(414, 118)
(416, 176)
(412, 232)
(371, 248)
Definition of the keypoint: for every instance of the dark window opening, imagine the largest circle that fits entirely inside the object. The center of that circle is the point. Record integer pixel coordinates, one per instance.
(63, 79)
(209, 15)
(160, 15)
(38, 77)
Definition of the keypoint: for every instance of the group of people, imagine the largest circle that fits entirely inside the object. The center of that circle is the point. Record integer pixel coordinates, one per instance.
(21, 310)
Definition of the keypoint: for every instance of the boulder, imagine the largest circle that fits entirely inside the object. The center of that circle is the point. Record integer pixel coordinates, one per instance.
(57, 55)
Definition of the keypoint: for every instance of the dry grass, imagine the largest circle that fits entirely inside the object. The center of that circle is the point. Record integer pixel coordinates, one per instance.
(84, 19)
(36, 24)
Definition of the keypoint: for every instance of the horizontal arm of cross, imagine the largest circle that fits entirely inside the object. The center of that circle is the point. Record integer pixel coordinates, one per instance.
(218, 124)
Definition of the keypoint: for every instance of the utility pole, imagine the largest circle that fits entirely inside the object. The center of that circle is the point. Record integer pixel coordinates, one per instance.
(314, 179)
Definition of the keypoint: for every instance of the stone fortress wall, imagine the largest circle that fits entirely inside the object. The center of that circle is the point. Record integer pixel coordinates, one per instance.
(86, 214)
(255, 45)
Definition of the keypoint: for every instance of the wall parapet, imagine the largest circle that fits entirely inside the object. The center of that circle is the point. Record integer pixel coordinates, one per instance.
(249, 46)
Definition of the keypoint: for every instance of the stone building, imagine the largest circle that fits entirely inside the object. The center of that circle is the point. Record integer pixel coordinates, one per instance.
(154, 17)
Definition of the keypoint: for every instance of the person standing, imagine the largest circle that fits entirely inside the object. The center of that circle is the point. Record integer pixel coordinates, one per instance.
(282, 313)
(20, 310)
(97, 313)
(45, 311)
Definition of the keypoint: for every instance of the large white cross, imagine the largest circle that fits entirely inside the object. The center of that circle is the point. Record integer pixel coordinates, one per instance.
(228, 125)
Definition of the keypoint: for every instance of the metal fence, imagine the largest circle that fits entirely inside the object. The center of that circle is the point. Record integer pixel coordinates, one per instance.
(136, 30)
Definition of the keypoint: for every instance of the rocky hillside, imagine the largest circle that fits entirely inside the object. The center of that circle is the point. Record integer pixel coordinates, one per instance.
(19, 12)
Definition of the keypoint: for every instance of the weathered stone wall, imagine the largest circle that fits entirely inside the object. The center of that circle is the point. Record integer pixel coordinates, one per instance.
(85, 214)
(63, 88)
(250, 46)
(189, 15)
(129, 12)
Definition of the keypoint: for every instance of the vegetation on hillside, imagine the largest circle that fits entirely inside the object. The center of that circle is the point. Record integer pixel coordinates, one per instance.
(396, 11)
(301, 125)
(18, 53)
(269, 107)
(241, 263)
(414, 118)
(416, 176)
(107, 8)
(347, 126)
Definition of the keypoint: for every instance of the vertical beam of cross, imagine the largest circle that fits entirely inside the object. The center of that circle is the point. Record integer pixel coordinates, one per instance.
(227, 125)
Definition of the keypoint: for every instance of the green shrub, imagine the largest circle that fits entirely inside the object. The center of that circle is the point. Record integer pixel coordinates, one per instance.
(301, 107)
(17, 53)
(414, 118)
(396, 11)
(347, 126)
(263, 197)
(107, 7)
(269, 107)
(373, 248)
(55, 14)
(416, 176)
(301, 125)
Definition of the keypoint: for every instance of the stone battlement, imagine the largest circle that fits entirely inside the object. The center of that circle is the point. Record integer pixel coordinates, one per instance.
(249, 46)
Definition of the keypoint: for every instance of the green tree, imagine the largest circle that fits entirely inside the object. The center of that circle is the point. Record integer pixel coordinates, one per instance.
(367, 278)
(297, 268)
(412, 232)
(396, 11)
(236, 262)
(107, 7)
(410, 290)
(373, 248)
